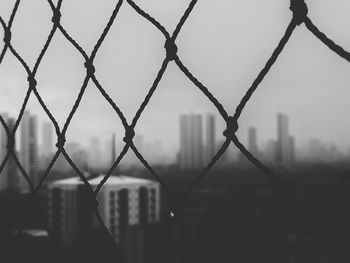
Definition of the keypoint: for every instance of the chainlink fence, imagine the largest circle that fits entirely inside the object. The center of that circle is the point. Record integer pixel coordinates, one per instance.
(299, 11)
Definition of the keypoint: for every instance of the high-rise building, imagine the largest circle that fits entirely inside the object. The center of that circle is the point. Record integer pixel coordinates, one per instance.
(285, 145)
(113, 150)
(270, 151)
(13, 176)
(47, 143)
(109, 152)
(46, 148)
(124, 202)
(9, 176)
(253, 142)
(210, 146)
(3, 152)
(29, 149)
(191, 142)
(291, 150)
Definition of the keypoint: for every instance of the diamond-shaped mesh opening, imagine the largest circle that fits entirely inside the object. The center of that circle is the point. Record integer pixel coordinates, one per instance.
(295, 232)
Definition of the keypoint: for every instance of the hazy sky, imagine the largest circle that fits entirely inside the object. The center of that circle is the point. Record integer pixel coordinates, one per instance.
(224, 43)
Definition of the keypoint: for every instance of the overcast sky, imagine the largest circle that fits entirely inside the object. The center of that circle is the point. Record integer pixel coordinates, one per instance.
(224, 43)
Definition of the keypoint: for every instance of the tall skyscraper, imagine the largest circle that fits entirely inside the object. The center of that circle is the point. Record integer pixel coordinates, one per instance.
(191, 141)
(210, 138)
(13, 176)
(113, 150)
(3, 152)
(9, 177)
(47, 143)
(285, 145)
(270, 151)
(29, 149)
(291, 150)
(253, 141)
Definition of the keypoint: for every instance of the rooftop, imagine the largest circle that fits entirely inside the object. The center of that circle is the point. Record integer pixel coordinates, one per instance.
(113, 180)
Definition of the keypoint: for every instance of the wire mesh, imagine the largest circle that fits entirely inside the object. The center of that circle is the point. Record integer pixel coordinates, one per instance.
(299, 11)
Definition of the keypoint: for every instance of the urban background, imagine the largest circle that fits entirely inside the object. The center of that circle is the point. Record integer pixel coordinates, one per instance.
(296, 124)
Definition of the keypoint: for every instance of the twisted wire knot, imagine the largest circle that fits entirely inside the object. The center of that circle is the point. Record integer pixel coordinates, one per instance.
(129, 135)
(7, 36)
(90, 69)
(231, 128)
(170, 48)
(10, 144)
(299, 9)
(61, 140)
(56, 17)
(32, 81)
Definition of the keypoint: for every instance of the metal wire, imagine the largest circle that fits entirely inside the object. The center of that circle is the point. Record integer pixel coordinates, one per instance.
(299, 11)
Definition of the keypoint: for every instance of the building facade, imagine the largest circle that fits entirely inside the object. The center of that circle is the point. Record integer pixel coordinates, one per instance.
(123, 202)
(47, 143)
(253, 142)
(210, 145)
(191, 153)
(29, 149)
(3, 152)
(285, 143)
(9, 177)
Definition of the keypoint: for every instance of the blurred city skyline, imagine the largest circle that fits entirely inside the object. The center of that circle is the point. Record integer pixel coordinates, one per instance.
(199, 140)
(308, 83)
(288, 204)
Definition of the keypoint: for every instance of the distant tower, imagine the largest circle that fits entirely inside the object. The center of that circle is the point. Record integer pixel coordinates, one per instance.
(283, 151)
(271, 151)
(29, 149)
(113, 153)
(47, 139)
(292, 150)
(9, 177)
(191, 144)
(210, 137)
(253, 142)
(3, 152)
(11, 167)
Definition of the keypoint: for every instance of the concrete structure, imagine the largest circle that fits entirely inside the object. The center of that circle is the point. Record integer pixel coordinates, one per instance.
(113, 150)
(253, 142)
(270, 151)
(47, 143)
(210, 147)
(284, 149)
(191, 142)
(29, 149)
(13, 176)
(123, 202)
(9, 179)
(3, 152)
(291, 150)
